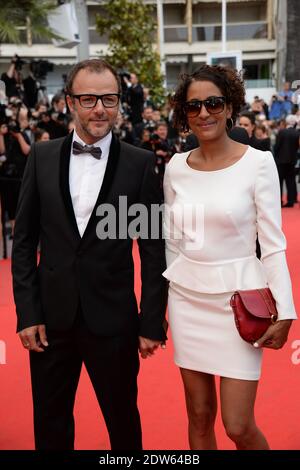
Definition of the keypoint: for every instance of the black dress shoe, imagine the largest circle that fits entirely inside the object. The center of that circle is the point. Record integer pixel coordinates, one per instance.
(288, 205)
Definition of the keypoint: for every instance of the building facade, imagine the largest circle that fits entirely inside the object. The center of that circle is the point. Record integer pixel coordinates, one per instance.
(191, 30)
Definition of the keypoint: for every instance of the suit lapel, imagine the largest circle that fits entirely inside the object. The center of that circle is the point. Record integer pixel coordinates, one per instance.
(65, 155)
(112, 162)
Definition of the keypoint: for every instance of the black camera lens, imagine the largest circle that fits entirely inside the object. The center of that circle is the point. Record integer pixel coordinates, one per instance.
(13, 127)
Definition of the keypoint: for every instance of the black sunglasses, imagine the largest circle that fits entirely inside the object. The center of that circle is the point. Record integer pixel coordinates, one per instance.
(212, 104)
(109, 100)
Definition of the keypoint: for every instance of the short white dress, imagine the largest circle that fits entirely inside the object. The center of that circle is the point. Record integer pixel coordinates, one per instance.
(211, 222)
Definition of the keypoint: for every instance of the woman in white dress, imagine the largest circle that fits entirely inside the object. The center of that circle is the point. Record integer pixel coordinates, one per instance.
(218, 198)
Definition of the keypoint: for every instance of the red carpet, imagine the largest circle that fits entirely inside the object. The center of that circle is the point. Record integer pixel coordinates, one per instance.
(160, 391)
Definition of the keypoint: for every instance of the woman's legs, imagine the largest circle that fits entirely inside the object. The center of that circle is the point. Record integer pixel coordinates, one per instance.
(201, 403)
(237, 404)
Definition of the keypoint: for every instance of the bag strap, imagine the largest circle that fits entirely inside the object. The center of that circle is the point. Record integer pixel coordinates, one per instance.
(269, 300)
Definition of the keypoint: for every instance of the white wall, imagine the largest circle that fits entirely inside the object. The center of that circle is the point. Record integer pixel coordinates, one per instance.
(265, 93)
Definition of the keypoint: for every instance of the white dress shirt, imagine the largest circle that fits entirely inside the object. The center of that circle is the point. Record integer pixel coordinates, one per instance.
(85, 179)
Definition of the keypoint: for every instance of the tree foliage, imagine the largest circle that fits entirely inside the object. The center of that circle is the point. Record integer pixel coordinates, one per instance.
(130, 26)
(14, 13)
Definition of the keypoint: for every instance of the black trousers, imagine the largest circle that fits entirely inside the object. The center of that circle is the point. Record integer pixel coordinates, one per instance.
(112, 364)
(287, 173)
(9, 194)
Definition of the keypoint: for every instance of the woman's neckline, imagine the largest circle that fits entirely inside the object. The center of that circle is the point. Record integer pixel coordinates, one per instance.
(220, 169)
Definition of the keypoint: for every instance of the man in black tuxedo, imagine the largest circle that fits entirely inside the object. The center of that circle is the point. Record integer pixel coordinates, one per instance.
(78, 305)
(286, 154)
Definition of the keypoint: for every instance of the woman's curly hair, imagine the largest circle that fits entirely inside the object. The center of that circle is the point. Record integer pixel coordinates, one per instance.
(228, 80)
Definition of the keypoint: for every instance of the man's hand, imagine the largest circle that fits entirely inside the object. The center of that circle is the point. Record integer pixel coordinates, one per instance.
(148, 346)
(161, 153)
(275, 336)
(33, 337)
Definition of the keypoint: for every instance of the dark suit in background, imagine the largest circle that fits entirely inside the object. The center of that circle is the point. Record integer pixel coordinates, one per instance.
(286, 148)
(260, 144)
(135, 97)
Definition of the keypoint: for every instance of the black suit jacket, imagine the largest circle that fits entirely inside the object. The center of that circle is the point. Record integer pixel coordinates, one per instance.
(135, 97)
(260, 144)
(97, 274)
(287, 145)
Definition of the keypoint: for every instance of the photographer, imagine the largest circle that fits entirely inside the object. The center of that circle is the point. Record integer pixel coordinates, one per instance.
(147, 123)
(123, 129)
(30, 89)
(12, 77)
(135, 97)
(58, 109)
(40, 108)
(162, 147)
(3, 132)
(4, 207)
(17, 148)
(146, 140)
(54, 127)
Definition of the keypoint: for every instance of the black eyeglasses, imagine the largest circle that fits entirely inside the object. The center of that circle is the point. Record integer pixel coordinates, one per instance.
(109, 100)
(212, 104)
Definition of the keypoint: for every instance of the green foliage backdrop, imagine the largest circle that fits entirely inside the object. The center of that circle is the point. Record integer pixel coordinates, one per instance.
(131, 26)
(14, 13)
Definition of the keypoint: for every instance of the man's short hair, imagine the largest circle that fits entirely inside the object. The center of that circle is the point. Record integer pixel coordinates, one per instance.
(56, 98)
(92, 65)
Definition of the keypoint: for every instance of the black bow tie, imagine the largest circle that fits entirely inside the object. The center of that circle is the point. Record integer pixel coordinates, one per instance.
(78, 148)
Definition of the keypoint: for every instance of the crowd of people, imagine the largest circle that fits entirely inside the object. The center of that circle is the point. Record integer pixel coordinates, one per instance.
(27, 116)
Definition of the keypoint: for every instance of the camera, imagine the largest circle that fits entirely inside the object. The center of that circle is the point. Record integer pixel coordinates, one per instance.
(40, 68)
(150, 126)
(15, 102)
(18, 62)
(124, 73)
(157, 143)
(13, 126)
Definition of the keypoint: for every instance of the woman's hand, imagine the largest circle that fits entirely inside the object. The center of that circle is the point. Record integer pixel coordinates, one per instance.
(275, 336)
(147, 346)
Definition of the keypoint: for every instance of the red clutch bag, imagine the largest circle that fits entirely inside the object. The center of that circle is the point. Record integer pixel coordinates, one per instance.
(254, 311)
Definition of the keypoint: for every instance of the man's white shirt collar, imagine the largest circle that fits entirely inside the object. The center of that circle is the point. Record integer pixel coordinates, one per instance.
(103, 143)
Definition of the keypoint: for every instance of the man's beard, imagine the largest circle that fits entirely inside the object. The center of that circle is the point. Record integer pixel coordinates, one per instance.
(95, 131)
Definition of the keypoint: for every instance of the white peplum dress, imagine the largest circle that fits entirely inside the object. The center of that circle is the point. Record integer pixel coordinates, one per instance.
(211, 222)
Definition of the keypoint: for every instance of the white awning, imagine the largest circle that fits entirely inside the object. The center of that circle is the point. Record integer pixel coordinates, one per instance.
(63, 60)
(220, 1)
(176, 59)
(248, 55)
